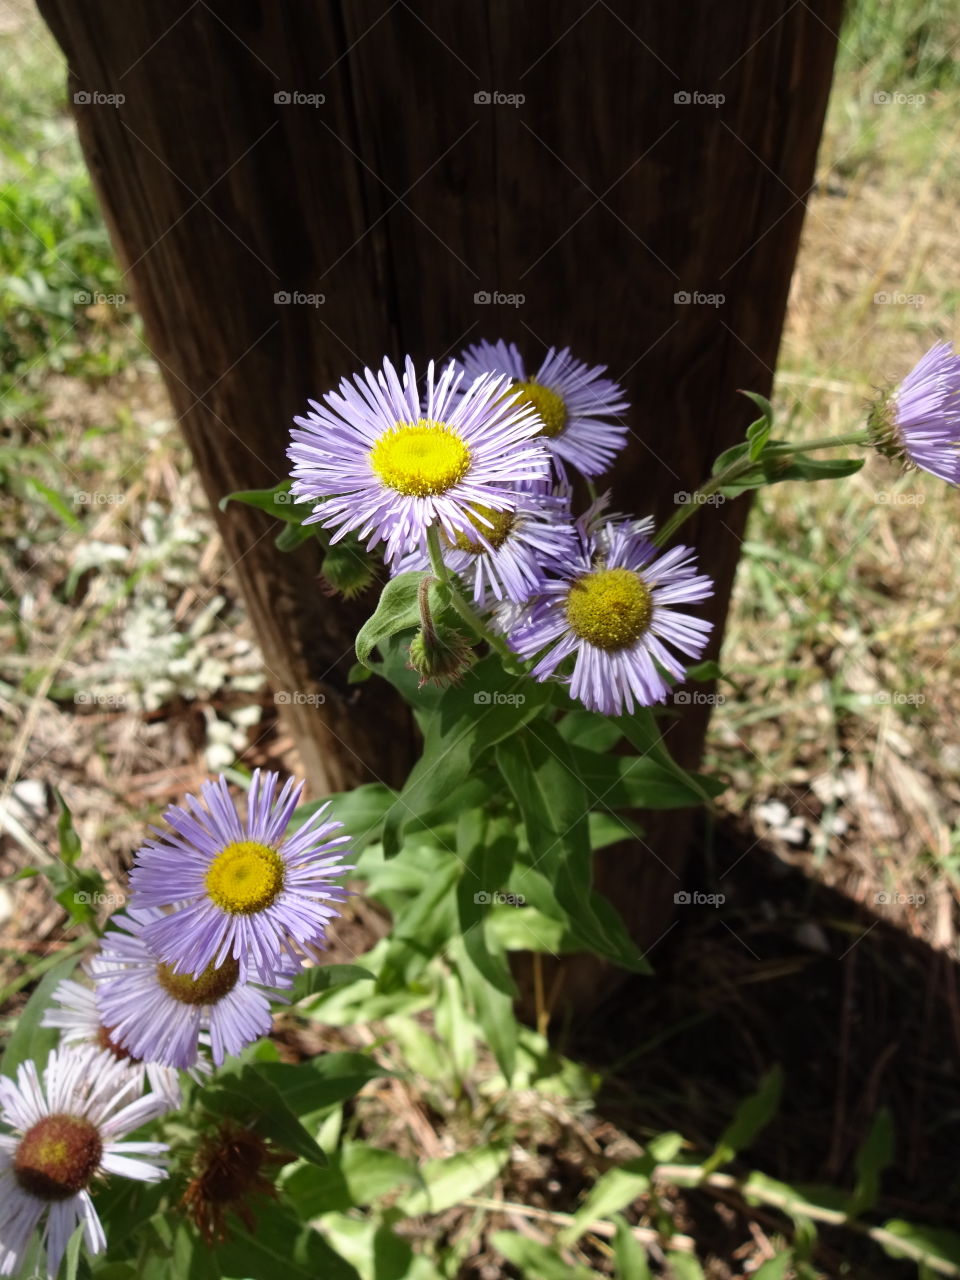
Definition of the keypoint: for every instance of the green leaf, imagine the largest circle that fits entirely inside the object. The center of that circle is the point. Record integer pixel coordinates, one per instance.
(762, 403)
(420, 930)
(752, 1115)
(69, 840)
(278, 502)
(620, 1186)
(279, 1246)
(487, 851)
(361, 811)
(628, 1252)
(398, 610)
(254, 1097)
(777, 1268)
(535, 1260)
(29, 1040)
(450, 1181)
(292, 536)
(704, 671)
(875, 1155)
(357, 1175)
(684, 1266)
(541, 772)
(315, 981)
(590, 730)
(639, 782)
(322, 1081)
(460, 725)
(922, 1243)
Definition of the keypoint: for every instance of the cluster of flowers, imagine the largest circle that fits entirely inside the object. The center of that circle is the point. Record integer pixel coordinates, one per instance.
(481, 459)
(476, 467)
(222, 912)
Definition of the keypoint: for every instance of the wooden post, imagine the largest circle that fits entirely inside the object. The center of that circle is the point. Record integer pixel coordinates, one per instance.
(624, 178)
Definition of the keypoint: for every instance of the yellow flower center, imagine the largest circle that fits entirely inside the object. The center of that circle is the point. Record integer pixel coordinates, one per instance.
(245, 878)
(494, 525)
(610, 608)
(420, 459)
(550, 406)
(57, 1157)
(215, 982)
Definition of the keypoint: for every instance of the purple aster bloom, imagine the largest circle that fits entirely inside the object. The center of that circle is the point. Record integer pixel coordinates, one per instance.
(162, 1016)
(76, 1013)
(66, 1131)
(611, 610)
(505, 556)
(379, 461)
(919, 422)
(579, 408)
(239, 889)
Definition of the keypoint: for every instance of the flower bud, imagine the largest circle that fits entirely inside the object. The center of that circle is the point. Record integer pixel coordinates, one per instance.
(441, 654)
(346, 569)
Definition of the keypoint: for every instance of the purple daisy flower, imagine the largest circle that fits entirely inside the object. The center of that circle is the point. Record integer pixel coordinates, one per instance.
(162, 1016)
(611, 609)
(919, 421)
(378, 461)
(66, 1131)
(505, 556)
(76, 1013)
(239, 889)
(578, 407)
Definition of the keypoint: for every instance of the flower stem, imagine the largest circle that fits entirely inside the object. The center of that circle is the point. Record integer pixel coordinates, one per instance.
(744, 464)
(459, 601)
